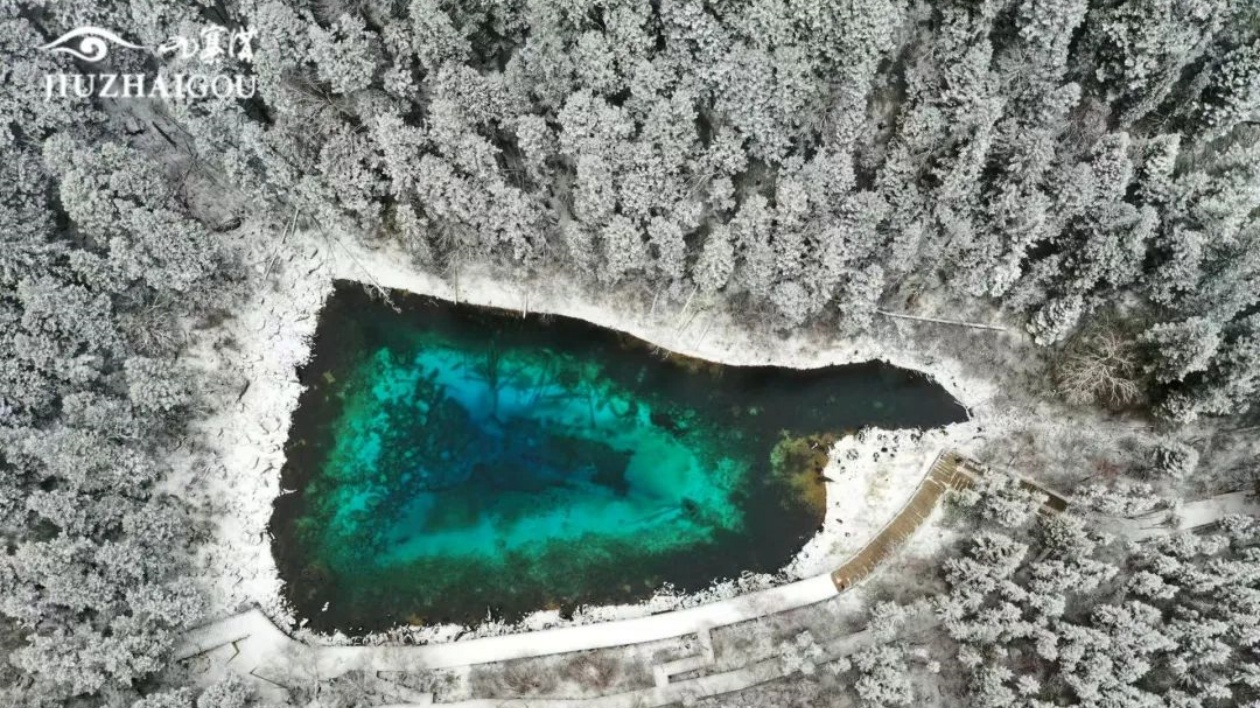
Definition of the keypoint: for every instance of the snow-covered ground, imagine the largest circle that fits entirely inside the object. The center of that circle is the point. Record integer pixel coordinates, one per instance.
(262, 347)
(871, 476)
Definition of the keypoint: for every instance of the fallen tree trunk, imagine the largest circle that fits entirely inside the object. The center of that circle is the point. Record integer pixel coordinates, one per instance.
(959, 323)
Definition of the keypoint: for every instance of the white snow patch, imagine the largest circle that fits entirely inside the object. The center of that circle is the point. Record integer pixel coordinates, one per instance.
(870, 477)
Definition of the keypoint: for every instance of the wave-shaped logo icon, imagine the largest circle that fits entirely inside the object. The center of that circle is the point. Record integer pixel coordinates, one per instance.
(93, 43)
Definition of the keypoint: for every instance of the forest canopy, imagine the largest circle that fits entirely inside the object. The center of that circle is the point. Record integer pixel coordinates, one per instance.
(1063, 162)
(808, 161)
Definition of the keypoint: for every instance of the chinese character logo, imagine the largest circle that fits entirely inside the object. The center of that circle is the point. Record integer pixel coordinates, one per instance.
(216, 42)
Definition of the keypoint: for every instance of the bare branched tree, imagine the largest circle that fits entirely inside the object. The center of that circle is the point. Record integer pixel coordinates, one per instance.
(593, 669)
(1100, 368)
(523, 678)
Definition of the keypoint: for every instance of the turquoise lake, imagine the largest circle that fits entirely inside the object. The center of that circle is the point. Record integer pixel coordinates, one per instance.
(451, 463)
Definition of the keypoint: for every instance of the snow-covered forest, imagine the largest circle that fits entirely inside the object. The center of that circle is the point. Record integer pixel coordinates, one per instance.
(1082, 173)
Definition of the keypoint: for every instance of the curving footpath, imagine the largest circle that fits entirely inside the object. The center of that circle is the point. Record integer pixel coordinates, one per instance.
(331, 661)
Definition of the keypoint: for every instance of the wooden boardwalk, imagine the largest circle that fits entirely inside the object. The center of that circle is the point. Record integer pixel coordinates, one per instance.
(945, 474)
(950, 471)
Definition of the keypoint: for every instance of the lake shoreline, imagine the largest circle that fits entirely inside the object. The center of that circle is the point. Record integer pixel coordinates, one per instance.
(273, 340)
(392, 390)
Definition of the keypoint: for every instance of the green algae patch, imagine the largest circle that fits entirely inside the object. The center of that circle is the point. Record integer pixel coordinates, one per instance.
(798, 464)
(452, 463)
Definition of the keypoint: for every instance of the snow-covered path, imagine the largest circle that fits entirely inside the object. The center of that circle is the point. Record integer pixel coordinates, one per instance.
(260, 649)
(672, 693)
(260, 642)
(1188, 517)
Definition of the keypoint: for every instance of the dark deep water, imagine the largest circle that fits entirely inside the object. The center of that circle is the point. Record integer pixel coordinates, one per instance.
(451, 461)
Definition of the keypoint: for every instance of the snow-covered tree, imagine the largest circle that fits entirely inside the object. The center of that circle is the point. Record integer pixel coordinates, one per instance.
(882, 677)
(344, 54)
(625, 251)
(1233, 94)
(713, 269)
(1183, 348)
